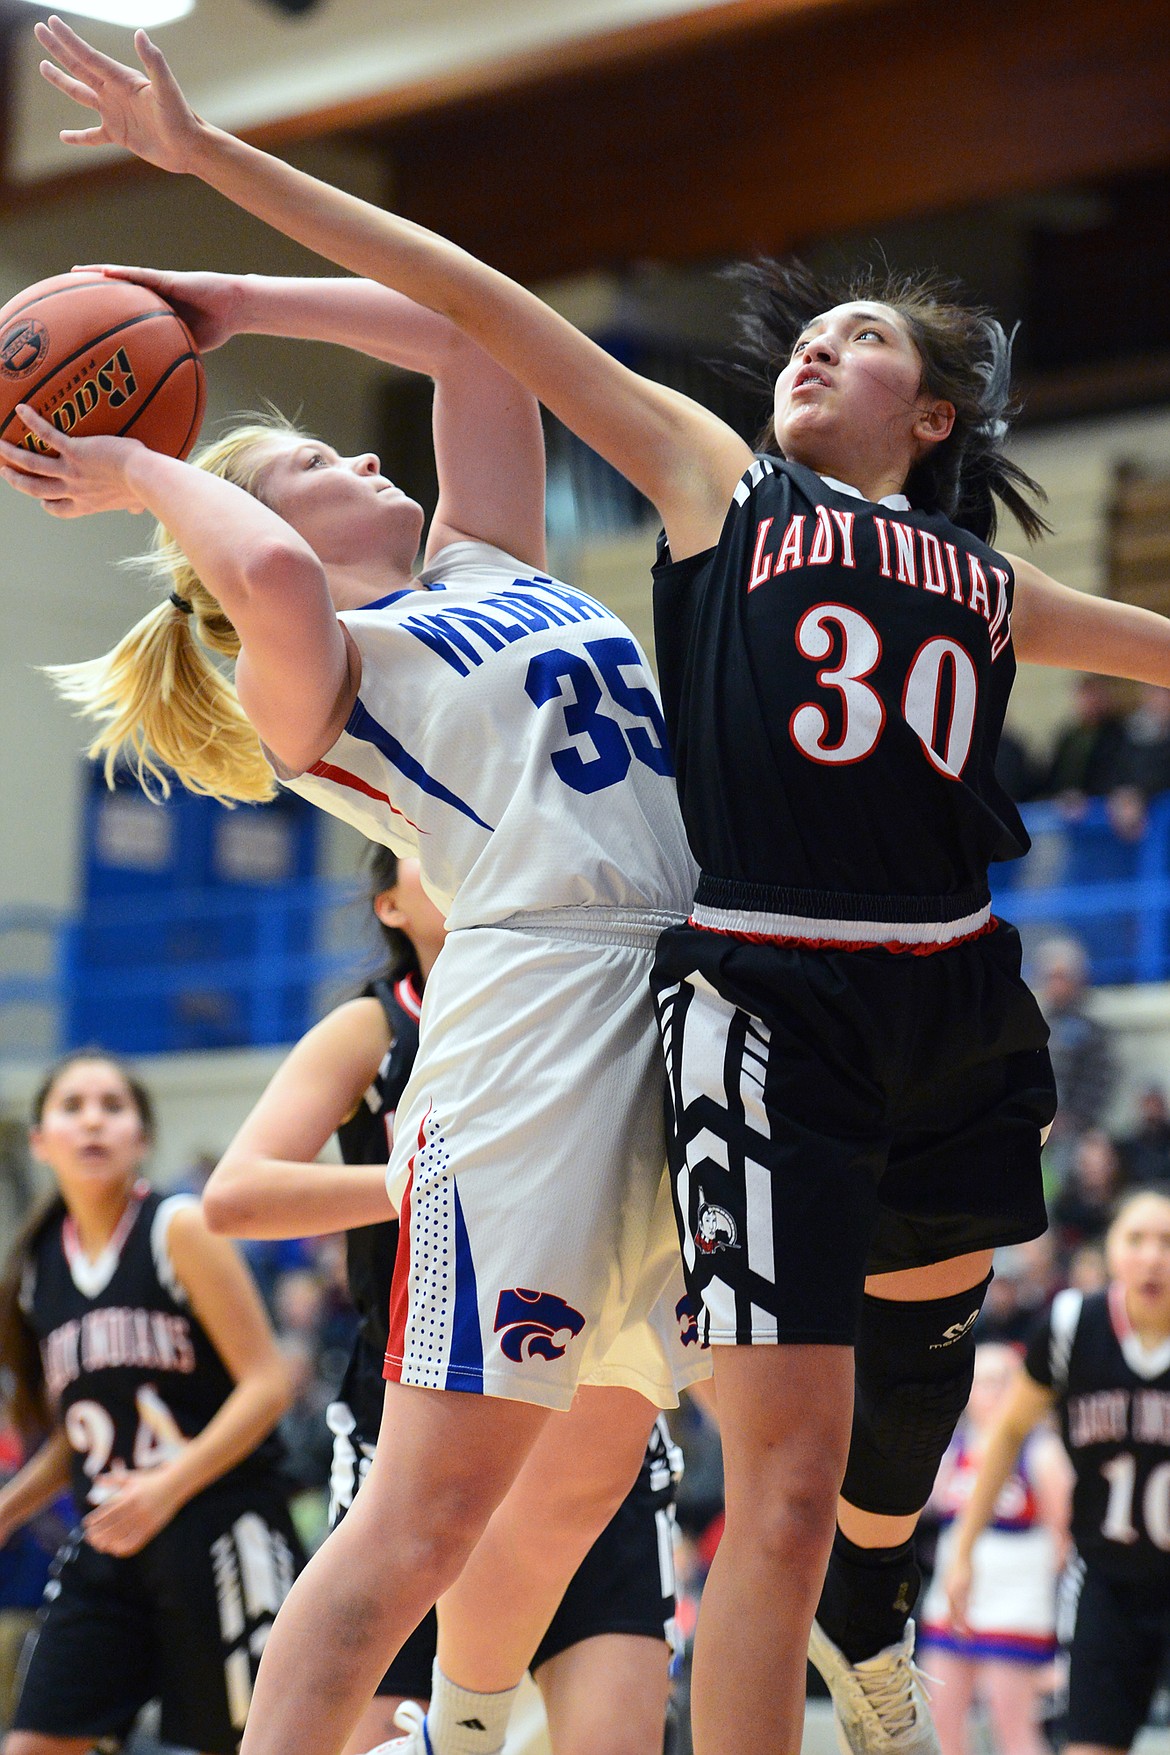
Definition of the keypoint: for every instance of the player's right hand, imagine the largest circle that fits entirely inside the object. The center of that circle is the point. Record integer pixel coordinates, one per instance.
(75, 478)
(211, 305)
(957, 1584)
(144, 112)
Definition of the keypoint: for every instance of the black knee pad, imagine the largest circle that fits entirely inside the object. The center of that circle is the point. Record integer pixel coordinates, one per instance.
(914, 1365)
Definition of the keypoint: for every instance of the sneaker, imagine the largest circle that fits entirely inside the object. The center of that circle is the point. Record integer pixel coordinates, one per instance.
(412, 1719)
(880, 1704)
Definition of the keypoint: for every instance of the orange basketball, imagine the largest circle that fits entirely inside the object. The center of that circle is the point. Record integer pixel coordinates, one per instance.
(94, 355)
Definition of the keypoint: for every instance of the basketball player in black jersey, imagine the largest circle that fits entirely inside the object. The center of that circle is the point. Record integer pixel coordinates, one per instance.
(138, 1341)
(859, 1076)
(602, 1665)
(1102, 1361)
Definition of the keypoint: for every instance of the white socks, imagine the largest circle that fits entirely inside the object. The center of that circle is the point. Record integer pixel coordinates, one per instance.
(460, 1722)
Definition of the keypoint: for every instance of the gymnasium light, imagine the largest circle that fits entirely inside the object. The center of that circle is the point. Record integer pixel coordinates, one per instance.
(133, 14)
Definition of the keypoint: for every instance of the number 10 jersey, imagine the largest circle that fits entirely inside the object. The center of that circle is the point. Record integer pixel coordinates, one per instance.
(507, 731)
(835, 675)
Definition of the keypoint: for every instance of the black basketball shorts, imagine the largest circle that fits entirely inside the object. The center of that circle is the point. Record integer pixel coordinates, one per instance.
(835, 1113)
(183, 1621)
(1119, 1648)
(625, 1584)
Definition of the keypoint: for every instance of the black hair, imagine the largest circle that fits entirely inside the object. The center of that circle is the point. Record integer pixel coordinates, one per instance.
(21, 1368)
(402, 958)
(966, 360)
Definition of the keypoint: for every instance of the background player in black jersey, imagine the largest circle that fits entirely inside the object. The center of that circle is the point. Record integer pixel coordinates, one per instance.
(1102, 1361)
(857, 1121)
(602, 1665)
(139, 1342)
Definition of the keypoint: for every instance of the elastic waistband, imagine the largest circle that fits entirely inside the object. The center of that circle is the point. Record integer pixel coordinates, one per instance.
(635, 928)
(829, 930)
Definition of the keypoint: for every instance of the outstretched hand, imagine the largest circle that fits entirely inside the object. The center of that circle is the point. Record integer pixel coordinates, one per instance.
(144, 112)
(84, 475)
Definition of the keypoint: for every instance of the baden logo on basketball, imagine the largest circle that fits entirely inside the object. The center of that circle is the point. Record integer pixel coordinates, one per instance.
(22, 347)
(535, 1324)
(113, 383)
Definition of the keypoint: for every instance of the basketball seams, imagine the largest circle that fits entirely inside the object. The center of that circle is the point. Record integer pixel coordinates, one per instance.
(94, 341)
(68, 284)
(165, 377)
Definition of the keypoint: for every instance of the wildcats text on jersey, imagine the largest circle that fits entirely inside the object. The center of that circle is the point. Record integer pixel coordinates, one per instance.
(498, 620)
(110, 1338)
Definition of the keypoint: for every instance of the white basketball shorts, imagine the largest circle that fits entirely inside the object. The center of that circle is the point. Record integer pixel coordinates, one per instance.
(538, 1249)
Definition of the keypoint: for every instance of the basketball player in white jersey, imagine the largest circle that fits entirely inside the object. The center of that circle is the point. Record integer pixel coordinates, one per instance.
(504, 729)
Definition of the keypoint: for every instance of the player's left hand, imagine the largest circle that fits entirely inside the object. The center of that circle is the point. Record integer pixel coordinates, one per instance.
(211, 305)
(141, 1503)
(145, 111)
(83, 475)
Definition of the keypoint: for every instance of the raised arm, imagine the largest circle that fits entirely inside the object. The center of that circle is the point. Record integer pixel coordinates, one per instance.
(297, 672)
(267, 1183)
(489, 445)
(1074, 630)
(680, 456)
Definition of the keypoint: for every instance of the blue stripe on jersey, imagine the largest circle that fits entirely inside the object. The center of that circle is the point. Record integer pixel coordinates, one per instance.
(465, 1369)
(363, 725)
(392, 597)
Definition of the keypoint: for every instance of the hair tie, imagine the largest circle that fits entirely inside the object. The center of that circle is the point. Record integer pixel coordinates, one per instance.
(182, 603)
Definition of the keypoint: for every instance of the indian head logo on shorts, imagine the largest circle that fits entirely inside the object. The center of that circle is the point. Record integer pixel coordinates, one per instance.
(535, 1325)
(715, 1228)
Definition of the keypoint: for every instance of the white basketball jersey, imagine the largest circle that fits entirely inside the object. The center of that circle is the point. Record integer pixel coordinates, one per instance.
(507, 731)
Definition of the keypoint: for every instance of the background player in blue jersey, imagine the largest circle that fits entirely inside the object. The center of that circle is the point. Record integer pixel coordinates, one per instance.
(504, 728)
(137, 1341)
(1101, 1361)
(602, 1665)
(859, 1077)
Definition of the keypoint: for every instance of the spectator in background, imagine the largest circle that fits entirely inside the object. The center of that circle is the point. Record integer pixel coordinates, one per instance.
(1144, 763)
(1015, 767)
(1087, 1270)
(1010, 1636)
(1086, 761)
(1082, 1210)
(1083, 1057)
(1023, 1284)
(1145, 1153)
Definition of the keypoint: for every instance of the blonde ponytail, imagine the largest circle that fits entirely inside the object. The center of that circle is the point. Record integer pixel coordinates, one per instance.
(159, 698)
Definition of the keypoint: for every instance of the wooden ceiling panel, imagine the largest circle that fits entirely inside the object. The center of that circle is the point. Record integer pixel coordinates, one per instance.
(797, 128)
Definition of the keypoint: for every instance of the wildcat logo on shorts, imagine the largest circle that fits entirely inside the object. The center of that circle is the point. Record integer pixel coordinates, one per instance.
(716, 1229)
(535, 1325)
(688, 1322)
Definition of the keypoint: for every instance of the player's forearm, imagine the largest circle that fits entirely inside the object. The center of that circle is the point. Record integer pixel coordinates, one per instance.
(359, 314)
(674, 451)
(253, 1196)
(37, 1484)
(242, 1422)
(998, 1461)
(1054, 625)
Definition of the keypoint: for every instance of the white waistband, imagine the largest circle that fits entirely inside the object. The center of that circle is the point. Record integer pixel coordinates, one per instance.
(748, 924)
(636, 927)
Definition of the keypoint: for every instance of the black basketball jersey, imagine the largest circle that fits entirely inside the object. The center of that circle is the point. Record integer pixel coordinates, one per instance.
(1113, 1397)
(365, 1139)
(129, 1369)
(834, 676)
